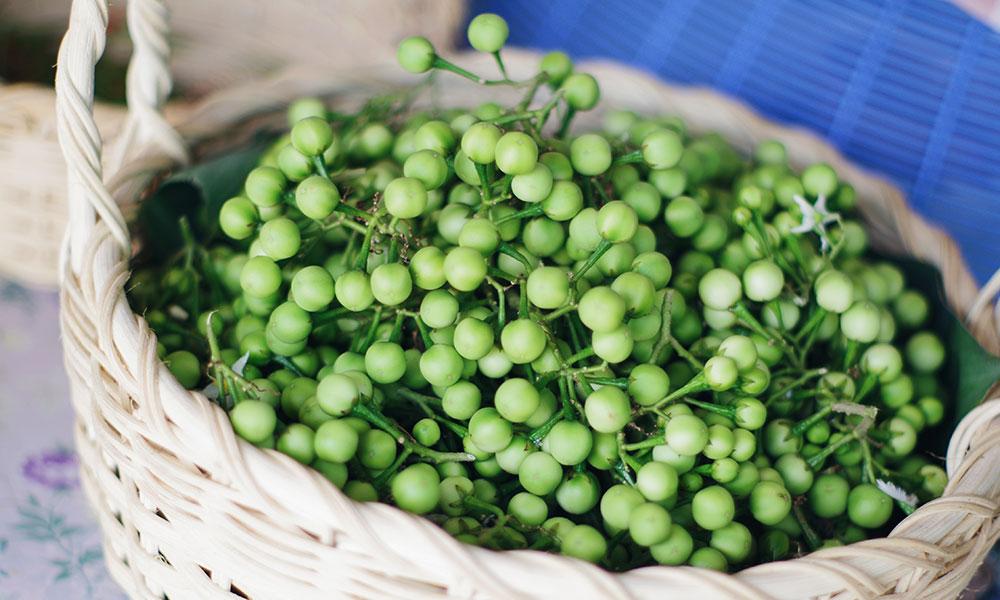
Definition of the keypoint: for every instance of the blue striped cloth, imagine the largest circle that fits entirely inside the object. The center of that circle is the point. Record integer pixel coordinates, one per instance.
(907, 88)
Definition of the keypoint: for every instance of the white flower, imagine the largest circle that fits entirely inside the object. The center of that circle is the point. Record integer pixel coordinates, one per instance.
(896, 493)
(815, 217)
(240, 364)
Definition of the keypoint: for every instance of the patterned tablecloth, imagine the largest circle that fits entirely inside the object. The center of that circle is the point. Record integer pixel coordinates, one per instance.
(49, 542)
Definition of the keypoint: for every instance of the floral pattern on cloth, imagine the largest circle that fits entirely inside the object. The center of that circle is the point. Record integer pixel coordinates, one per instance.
(50, 543)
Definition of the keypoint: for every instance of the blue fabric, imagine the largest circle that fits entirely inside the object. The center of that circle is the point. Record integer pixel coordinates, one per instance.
(910, 89)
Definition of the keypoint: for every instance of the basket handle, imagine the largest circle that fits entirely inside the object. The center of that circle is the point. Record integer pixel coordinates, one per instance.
(147, 87)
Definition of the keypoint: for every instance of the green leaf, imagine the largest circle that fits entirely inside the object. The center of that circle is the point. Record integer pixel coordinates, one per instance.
(970, 370)
(196, 193)
(91, 555)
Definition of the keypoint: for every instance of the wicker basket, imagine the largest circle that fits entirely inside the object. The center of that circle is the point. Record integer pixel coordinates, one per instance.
(32, 182)
(191, 511)
(33, 192)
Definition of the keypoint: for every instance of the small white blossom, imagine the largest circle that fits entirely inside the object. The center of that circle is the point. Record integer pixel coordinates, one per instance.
(177, 312)
(240, 364)
(896, 493)
(815, 217)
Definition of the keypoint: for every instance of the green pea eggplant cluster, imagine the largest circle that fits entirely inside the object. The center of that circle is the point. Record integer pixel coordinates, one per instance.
(631, 346)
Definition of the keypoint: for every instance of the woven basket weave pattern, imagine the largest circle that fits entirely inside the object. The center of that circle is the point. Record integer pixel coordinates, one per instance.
(32, 171)
(32, 195)
(190, 510)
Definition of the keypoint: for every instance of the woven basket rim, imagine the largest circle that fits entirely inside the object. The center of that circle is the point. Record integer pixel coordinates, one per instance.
(826, 563)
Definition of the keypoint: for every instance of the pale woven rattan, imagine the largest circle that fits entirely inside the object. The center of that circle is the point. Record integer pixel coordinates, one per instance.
(33, 181)
(32, 172)
(191, 511)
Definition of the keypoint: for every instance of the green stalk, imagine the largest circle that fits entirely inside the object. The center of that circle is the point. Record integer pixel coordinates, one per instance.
(501, 304)
(806, 376)
(376, 418)
(867, 384)
(514, 117)
(625, 460)
(531, 211)
(596, 183)
(538, 434)
(546, 110)
(566, 120)
(666, 317)
(726, 411)
(425, 334)
(618, 382)
(581, 355)
(480, 506)
(495, 272)
(366, 244)
(695, 385)
(685, 354)
(484, 182)
(397, 327)
(562, 310)
(444, 65)
(372, 331)
(867, 472)
(652, 442)
(286, 363)
(815, 320)
(622, 472)
(801, 427)
(225, 376)
(800, 260)
(817, 459)
(352, 211)
(393, 252)
(522, 309)
(748, 320)
(812, 539)
(329, 316)
(511, 251)
(382, 478)
(851, 353)
(500, 65)
(451, 426)
(634, 156)
(320, 166)
(601, 249)
(539, 79)
(570, 403)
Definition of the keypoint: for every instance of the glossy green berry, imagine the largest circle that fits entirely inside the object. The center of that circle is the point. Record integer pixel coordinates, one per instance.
(264, 186)
(317, 197)
(590, 154)
(480, 142)
(405, 197)
(662, 148)
(516, 153)
(312, 136)
(557, 66)
(416, 54)
(581, 91)
(488, 32)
